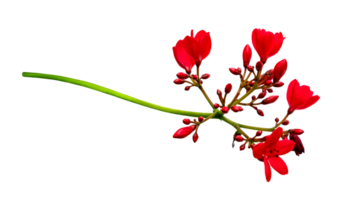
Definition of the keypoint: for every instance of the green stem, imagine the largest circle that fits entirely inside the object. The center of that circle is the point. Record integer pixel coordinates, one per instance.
(99, 88)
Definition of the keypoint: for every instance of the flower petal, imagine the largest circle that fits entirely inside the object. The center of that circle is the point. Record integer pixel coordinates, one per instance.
(267, 169)
(300, 96)
(272, 139)
(284, 146)
(291, 87)
(278, 165)
(312, 100)
(182, 58)
(200, 35)
(204, 46)
(279, 39)
(258, 150)
(192, 48)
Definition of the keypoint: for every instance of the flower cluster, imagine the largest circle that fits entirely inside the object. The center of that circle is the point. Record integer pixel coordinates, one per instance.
(192, 50)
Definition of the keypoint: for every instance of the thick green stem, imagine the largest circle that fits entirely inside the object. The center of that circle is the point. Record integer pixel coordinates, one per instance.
(138, 101)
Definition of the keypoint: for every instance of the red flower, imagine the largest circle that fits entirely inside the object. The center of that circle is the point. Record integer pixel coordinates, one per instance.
(279, 70)
(192, 49)
(185, 131)
(300, 97)
(270, 151)
(266, 43)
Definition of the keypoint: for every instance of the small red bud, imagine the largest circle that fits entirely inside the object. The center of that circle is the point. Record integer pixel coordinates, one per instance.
(286, 122)
(194, 76)
(279, 70)
(270, 99)
(251, 83)
(263, 89)
(247, 55)
(269, 90)
(268, 82)
(260, 112)
(297, 131)
(186, 121)
(205, 76)
(254, 97)
(195, 137)
(216, 105)
(239, 138)
(181, 75)
(235, 108)
(250, 68)
(184, 132)
(240, 108)
(178, 81)
(269, 73)
(261, 95)
(276, 120)
(201, 82)
(228, 88)
(225, 109)
(235, 71)
(242, 147)
(218, 92)
(200, 118)
(187, 88)
(259, 133)
(259, 66)
(278, 84)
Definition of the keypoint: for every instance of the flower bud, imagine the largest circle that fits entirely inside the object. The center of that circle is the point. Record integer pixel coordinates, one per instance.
(186, 121)
(187, 88)
(194, 76)
(201, 82)
(184, 132)
(228, 88)
(290, 111)
(263, 90)
(216, 105)
(235, 71)
(269, 73)
(178, 81)
(269, 90)
(219, 93)
(276, 119)
(270, 99)
(261, 95)
(225, 109)
(259, 133)
(278, 84)
(236, 110)
(254, 97)
(242, 147)
(181, 75)
(259, 66)
(260, 113)
(251, 83)
(297, 131)
(195, 137)
(239, 138)
(268, 82)
(247, 55)
(250, 68)
(286, 122)
(200, 118)
(205, 76)
(299, 148)
(279, 70)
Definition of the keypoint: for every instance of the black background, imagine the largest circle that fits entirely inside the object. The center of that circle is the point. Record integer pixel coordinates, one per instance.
(69, 130)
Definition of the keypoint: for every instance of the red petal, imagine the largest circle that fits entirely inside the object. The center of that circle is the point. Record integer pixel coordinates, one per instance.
(292, 87)
(204, 46)
(284, 146)
(300, 96)
(200, 35)
(279, 39)
(181, 56)
(279, 165)
(192, 48)
(267, 169)
(258, 150)
(272, 139)
(312, 100)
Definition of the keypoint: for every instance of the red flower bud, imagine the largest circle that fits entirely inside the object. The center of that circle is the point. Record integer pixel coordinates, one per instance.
(268, 82)
(201, 82)
(239, 138)
(225, 109)
(261, 95)
(194, 76)
(299, 148)
(279, 85)
(250, 68)
(247, 55)
(205, 76)
(216, 105)
(260, 112)
(240, 108)
(270, 99)
(259, 133)
(195, 137)
(235, 71)
(254, 97)
(251, 83)
(182, 75)
(200, 118)
(286, 122)
(276, 119)
(259, 66)
(219, 93)
(263, 90)
(184, 132)
(270, 90)
(297, 131)
(279, 70)
(235, 108)
(242, 147)
(178, 81)
(270, 72)
(186, 121)
(187, 88)
(228, 88)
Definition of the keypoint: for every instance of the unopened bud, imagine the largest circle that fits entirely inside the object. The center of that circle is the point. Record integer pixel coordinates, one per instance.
(254, 97)
(247, 55)
(239, 138)
(194, 76)
(259, 66)
(240, 108)
(261, 95)
(278, 84)
(200, 118)
(235, 108)
(279, 70)
(269, 90)
(228, 88)
(270, 99)
(181, 75)
(259, 133)
(297, 131)
(216, 105)
(201, 82)
(276, 120)
(178, 81)
(251, 83)
(195, 137)
(250, 68)
(239, 70)
(268, 82)
(205, 76)
(184, 132)
(186, 121)
(225, 109)
(286, 122)
(235, 71)
(269, 72)
(187, 88)
(218, 92)
(242, 147)
(260, 112)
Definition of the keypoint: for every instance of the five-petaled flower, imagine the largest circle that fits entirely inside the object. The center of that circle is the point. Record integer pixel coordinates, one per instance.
(270, 150)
